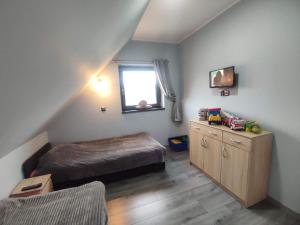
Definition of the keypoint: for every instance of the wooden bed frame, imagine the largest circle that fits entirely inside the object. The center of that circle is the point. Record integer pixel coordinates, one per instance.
(31, 163)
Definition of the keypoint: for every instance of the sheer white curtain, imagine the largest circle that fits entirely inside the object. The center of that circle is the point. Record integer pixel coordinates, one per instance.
(162, 70)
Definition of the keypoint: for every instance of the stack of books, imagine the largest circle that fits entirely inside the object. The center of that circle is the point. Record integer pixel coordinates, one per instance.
(202, 114)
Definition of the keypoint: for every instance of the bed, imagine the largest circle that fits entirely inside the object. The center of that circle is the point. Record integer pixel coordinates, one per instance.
(106, 160)
(82, 205)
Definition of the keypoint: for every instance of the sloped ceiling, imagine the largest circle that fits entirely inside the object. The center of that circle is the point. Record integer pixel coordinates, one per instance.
(172, 21)
(48, 51)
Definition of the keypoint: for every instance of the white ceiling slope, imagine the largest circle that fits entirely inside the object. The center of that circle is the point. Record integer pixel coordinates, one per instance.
(172, 21)
(48, 50)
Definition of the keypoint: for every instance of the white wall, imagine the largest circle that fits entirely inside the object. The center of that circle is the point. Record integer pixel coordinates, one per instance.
(83, 120)
(261, 38)
(48, 51)
(11, 164)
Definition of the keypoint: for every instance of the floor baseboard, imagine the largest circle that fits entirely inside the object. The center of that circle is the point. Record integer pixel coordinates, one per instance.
(283, 207)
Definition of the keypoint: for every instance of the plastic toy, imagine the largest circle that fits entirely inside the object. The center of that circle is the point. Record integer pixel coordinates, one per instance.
(253, 127)
(256, 129)
(214, 116)
(238, 124)
(228, 117)
(248, 126)
(232, 121)
(176, 141)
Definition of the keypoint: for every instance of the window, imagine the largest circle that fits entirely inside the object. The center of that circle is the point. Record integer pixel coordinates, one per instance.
(139, 83)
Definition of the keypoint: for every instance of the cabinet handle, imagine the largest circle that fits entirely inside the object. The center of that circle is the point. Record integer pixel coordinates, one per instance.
(213, 133)
(224, 153)
(203, 143)
(235, 141)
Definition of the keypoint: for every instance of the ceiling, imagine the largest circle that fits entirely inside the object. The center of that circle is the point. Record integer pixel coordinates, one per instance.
(172, 21)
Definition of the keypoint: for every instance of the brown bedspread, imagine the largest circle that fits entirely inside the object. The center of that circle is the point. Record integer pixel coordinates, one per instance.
(80, 160)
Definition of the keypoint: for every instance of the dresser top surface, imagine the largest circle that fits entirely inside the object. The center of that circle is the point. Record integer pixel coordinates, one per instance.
(227, 129)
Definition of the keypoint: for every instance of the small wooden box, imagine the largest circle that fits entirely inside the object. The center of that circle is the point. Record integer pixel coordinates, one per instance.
(45, 188)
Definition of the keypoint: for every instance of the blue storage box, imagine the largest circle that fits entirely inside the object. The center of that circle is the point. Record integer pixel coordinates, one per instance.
(178, 147)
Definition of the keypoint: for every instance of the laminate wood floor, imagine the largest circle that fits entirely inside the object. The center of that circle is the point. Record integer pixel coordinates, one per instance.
(183, 195)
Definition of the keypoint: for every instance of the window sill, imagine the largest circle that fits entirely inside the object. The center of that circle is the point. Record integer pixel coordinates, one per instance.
(141, 110)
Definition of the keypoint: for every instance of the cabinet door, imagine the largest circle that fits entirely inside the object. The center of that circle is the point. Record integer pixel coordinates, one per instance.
(235, 170)
(212, 157)
(196, 152)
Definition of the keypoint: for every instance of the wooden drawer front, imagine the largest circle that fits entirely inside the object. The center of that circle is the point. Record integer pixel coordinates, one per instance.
(237, 141)
(211, 132)
(195, 127)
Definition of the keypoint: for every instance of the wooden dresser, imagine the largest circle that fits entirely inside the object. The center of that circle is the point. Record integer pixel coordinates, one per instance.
(237, 161)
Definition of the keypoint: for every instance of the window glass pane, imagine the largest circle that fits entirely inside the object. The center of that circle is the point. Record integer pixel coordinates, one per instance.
(139, 85)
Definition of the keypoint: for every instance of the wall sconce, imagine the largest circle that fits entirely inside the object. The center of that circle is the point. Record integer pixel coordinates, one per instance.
(101, 85)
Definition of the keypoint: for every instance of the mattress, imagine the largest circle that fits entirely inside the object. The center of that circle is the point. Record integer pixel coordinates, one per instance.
(81, 160)
(82, 205)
